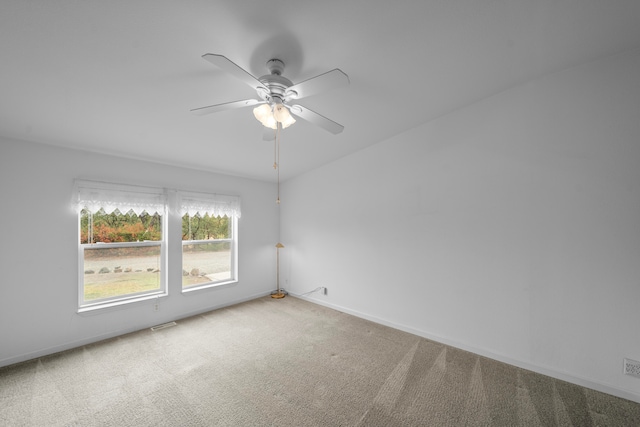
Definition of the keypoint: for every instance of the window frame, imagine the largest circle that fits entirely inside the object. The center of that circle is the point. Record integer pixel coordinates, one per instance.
(233, 253)
(125, 198)
(98, 194)
(128, 298)
(216, 205)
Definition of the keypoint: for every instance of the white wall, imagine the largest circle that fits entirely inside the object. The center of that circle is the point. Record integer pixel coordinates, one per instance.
(510, 228)
(38, 262)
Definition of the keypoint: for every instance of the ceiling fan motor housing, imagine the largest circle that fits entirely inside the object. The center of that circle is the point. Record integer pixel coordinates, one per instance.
(275, 82)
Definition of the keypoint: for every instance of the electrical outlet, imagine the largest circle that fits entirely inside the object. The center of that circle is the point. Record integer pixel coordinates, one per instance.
(324, 290)
(632, 367)
(156, 307)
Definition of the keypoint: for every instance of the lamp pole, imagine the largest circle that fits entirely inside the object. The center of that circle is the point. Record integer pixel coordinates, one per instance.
(278, 293)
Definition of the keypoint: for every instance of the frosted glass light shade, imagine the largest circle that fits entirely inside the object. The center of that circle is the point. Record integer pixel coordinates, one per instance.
(265, 116)
(281, 113)
(288, 122)
(262, 111)
(270, 117)
(270, 122)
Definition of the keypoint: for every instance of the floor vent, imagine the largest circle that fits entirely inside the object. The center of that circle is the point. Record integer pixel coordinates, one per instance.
(163, 326)
(632, 367)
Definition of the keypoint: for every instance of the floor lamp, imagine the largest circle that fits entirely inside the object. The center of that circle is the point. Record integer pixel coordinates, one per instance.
(278, 293)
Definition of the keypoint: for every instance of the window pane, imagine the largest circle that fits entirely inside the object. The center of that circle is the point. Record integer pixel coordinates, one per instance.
(119, 227)
(206, 262)
(205, 228)
(115, 272)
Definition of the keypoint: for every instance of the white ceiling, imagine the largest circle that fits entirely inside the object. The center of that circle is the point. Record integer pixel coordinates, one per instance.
(120, 77)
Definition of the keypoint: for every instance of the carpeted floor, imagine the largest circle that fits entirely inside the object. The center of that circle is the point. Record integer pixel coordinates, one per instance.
(289, 363)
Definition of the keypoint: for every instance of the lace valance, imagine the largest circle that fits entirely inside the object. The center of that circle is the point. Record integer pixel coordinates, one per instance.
(96, 195)
(201, 204)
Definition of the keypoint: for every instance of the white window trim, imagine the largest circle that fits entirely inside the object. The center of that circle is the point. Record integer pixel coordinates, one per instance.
(110, 196)
(95, 194)
(213, 204)
(125, 299)
(234, 259)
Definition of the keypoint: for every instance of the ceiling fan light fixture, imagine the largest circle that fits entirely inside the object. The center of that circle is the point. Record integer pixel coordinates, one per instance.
(270, 122)
(265, 116)
(261, 112)
(269, 117)
(281, 114)
(288, 122)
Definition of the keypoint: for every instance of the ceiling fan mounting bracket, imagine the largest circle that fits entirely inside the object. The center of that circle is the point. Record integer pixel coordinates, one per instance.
(275, 66)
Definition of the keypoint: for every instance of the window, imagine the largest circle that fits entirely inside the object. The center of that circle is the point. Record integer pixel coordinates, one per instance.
(209, 240)
(122, 244)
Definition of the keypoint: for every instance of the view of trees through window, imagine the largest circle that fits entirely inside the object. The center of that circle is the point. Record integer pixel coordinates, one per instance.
(205, 227)
(206, 249)
(101, 227)
(124, 253)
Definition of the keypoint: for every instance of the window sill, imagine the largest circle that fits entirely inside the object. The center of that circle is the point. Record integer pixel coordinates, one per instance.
(113, 305)
(216, 285)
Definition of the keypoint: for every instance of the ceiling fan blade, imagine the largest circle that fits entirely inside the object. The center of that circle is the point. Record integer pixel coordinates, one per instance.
(330, 80)
(234, 69)
(316, 119)
(226, 106)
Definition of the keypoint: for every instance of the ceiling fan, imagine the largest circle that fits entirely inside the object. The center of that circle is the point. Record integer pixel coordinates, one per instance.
(277, 94)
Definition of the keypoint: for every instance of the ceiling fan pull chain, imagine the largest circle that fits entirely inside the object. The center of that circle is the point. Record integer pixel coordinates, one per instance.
(275, 139)
(277, 159)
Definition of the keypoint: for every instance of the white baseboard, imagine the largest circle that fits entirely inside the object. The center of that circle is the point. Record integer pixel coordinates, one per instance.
(544, 370)
(96, 338)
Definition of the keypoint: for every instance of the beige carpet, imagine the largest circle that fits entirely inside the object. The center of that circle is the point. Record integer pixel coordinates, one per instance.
(289, 363)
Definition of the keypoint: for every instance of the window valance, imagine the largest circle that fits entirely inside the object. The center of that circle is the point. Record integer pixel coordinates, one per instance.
(201, 204)
(96, 195)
